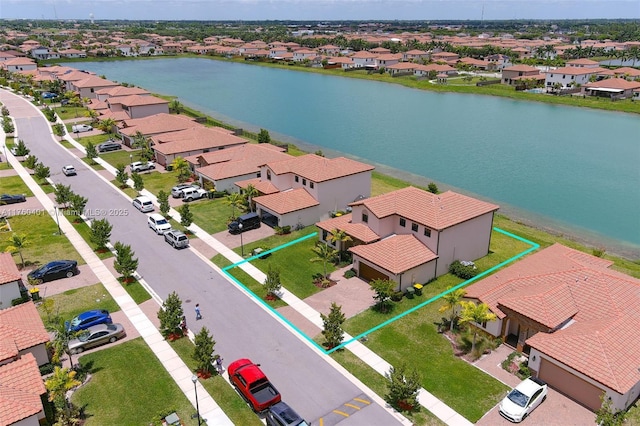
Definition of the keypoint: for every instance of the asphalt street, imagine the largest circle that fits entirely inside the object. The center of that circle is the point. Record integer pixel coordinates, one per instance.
(241, 328)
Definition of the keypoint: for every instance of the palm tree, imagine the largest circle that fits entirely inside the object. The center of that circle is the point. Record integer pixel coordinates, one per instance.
(175, 106)
(452, 300)
(16, 244)
(60, 343)
(106, 125)
(324, 254)
(235, 200)
(339, 235)
(478, 314)
(181, 166)
(250, 192)
(61, 381)
(92, 114)
(144, 143)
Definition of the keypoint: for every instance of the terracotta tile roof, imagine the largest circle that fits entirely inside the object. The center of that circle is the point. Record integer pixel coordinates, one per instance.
(436, 211)
(194, 139)
(155, 124)
(395, 254)
(614, 83)
(582, 61)
(21, 387)
(265, 187)
(20, 328)
(8, 269)
(357, 231)
(136, 100)
(74, 76)
(319, 169)
(287, 201)
(236, 161)
(94, 81)
(115, 115)
(602, 337)
(575, 71)
(122, 91)
(521, 68)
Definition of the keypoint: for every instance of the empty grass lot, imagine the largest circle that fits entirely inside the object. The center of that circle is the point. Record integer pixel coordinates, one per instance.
(73, 302)
(211, 215)
(129, 386)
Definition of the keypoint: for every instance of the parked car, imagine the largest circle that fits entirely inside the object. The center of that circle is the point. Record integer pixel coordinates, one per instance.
(144, 204)
(193, 193)
(64, 102)
(12, 199)
(79, 128)
(253, 385)
(89, 319)
(69, 170)
(158, 223)
(95, 336)
(176, 191)
(48, 95)
(176, 239)
(521, 401)
(281, 414)
(139, 166)
(54, 270)
(109, 145)
(244, 223)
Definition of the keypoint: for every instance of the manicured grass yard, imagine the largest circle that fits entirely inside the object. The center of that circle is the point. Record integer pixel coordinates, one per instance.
(156, 181)
(211, 215)
(138, 293)
(43, 242)
(129, 386)
(4, 165)
(14, 185)
(75, 301)
(118, 157)
(95, 139)
(66, 112)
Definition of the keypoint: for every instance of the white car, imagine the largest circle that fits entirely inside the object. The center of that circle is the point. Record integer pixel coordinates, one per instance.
(176, 191)
(69, 170)
(139, 166)
(194, 193)
(144, 204)
(521, 401)
(158, 223)
(79, 128)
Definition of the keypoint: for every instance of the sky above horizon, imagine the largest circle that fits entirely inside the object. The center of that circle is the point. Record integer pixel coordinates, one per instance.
(319, 9)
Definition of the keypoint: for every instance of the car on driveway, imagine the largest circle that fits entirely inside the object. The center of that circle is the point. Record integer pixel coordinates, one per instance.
(12, 199)
(144, 204)
(158, 223)
(109, 146)
(54, 270)
(177, 191)
(521, 401)
(281, 414)
(79, 128)
(95, 336)
(194, 193)
(69, 170)
(139, 166)
(89, 319)
(48, 95)
(176, 239)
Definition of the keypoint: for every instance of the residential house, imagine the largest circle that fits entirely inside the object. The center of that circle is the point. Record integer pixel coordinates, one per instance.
(474, 63)
(10, 281)
(115, 91)
(138, 106)
(575, 317)
(364, 59)
(444, 57)
(22, 392)
(153, 125)
(570, 76)
(402, 68)
(415, 55)
(610, 87)
(412, 236)
(87, 87)
(498, 61)
(304, 54)
(43, 53)
(583, 63)
(425, 70)
(311, 187)
(22, 332)
(72, 53)
(387, 59)
(277, 52)
(69, 77)
(622, 72)
(340, 61)
(515, 74)
(329, 50)
(380, 51)
(19, 64)
(223, 168)
(193, 141)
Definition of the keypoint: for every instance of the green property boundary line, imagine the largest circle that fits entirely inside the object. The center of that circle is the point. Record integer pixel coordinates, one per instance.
(534, 246)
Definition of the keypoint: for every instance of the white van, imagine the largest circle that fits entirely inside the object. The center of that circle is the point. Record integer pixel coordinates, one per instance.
(144, 204)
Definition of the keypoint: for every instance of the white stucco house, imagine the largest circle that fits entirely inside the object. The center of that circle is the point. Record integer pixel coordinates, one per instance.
(10, 280)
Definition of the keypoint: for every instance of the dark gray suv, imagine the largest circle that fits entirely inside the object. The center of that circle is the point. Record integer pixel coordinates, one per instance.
(281, 414)
(109, 146)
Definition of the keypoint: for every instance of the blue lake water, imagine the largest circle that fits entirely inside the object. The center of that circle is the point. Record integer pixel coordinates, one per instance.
(572, 170)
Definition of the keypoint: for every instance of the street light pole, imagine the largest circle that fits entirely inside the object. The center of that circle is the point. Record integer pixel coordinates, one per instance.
(241, 242)
(194, 379)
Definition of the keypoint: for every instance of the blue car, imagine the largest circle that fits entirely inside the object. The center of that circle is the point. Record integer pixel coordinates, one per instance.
(88, 319)
(48, 95)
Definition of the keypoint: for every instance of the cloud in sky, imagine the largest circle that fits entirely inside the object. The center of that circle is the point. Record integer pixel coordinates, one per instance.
(319, 9)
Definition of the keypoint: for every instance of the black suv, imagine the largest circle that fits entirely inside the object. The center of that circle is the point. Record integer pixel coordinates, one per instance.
(281, 414)
(109, 146)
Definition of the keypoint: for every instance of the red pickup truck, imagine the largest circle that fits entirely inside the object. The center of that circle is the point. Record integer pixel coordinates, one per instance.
(253, 385)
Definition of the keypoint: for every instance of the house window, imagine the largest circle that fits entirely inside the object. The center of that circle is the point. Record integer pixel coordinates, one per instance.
(414, 227)
(304, 182)
(403, 222)
(268, 174)
(325, 234)
(365, 217)
(296, 178)
(311, 185)
(258, 174)
(427, 232)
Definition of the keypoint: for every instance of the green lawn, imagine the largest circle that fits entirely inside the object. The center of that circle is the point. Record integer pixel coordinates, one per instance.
(4, 165)
(129, 386)
(156, 181)
(95, 139)
(14, 185)
(138, 293)
(127, 190)
(118, 157)
(73, 302)
(211, 215)
(85, 232)
(66, 112)
(43, 242)
(224, 395)
(92, 163)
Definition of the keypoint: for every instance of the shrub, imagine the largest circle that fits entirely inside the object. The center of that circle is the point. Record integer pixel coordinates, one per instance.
(349, 274)
(462, 271)
(397, 296)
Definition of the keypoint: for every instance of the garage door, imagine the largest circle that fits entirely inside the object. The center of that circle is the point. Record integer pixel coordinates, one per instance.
(572, 386)
(368, 273)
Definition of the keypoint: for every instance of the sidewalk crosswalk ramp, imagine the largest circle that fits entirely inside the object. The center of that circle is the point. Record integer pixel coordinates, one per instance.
(343, 411)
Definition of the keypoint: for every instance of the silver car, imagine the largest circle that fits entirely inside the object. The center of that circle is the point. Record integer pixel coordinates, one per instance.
(95, 336)
(177, 191)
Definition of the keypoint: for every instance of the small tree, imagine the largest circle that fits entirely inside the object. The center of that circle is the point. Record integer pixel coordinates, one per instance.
(175, 106)
(100, 233)
(138, 182)
(121, 175)
(332, 329)
(250, 192)
(62, 194)
(41, 172)
(264, 136)
(235, 200)
(31, 162)
(272, 283)
(170, 316)
(478, 314)
(7, 125)
(433, 188)
(606, 415)
(452, 301)
(57, 385)
(60, 343)
(91, 152)
(181, 166)
(186, 217)
(163, 200)
(17, 242)
(125, 263)
(402, 388)
(59, 130)
(339, 236)
(384, 290)
(203, 353)
(324, 254)
(77, 204)
(21, 148)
